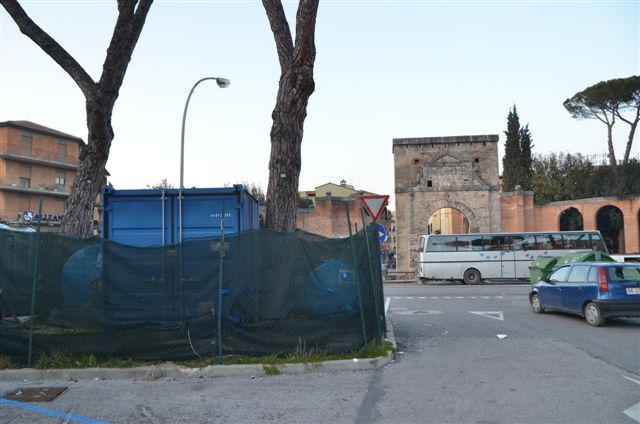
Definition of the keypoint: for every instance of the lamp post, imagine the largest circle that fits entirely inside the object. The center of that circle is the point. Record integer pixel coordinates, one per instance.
(222, 83)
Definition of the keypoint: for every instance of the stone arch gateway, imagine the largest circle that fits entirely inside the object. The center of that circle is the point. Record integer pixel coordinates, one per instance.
(431, 173)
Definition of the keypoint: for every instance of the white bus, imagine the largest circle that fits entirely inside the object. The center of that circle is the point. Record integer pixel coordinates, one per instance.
(477, 256)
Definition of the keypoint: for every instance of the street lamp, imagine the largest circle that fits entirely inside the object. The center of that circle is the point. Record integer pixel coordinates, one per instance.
(222, 83)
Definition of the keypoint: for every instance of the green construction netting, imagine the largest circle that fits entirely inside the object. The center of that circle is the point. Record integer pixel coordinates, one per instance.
(256, 293)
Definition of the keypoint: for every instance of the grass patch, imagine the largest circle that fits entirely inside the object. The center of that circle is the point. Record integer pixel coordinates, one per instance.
(271, 369)
(302, 354)
(57, 360)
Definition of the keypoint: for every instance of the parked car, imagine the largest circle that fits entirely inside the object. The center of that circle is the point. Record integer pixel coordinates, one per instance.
(593, 290)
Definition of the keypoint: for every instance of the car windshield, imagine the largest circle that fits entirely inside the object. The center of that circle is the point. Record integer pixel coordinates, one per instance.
(623, 273)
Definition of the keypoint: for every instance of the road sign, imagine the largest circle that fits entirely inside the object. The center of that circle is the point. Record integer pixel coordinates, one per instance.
(374, 205)
(382, 233)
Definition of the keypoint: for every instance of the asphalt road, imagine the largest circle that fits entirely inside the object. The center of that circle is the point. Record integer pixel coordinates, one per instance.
(452, 368)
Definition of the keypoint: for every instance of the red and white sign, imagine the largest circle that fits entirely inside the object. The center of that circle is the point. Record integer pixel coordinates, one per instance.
(374, 205)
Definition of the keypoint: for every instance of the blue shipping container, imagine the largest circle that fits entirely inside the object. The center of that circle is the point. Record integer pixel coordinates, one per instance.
(157, 217)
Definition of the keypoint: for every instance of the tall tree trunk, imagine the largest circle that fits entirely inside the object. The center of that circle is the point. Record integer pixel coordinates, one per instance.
(91, 171)
(295, 87)
(632, 131)
(612, 153)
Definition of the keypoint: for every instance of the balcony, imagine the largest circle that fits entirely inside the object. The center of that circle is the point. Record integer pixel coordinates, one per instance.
(39, 191)
(38, 161)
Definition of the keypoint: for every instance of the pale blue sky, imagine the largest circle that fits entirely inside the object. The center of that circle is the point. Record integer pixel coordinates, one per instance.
(384, 69)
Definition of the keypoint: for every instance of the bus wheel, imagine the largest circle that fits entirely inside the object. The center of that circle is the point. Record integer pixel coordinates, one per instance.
(471, 276)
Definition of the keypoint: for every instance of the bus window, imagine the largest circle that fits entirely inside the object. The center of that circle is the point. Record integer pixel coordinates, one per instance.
(442, 244)
(523, 242)
(597, 243)
(469, 243)
(576, 241)
(550, 241)
(496, 243)
(421, 244)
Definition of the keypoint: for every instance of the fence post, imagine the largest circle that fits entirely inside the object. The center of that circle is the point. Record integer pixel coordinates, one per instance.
(36, 264)
(373, 287)
(220, 282)
(355, 273)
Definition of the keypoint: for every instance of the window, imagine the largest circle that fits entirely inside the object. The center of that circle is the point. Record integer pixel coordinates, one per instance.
(61, 151)
(421, 244)
(26, 145)
(578, 274)
(469, 243)
(25, 176)
(550, 241)
(576, 241)
(523, 242)
(442, 244)
(328, 193)
(560, 275)
(59, 181)
(496, 243)
(593, 275)
(429, 183)
(597, 243)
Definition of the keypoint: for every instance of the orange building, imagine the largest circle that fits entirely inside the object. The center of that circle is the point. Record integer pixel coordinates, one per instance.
(36, 163)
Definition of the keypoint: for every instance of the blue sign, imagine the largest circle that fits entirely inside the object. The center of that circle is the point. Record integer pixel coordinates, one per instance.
(382, 233)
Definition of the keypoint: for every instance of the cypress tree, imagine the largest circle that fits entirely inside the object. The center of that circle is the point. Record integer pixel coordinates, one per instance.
(511, 159)
(526, 162)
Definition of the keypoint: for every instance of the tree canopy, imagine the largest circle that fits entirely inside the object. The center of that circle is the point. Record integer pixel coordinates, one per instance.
(567, 176)
(606, 101)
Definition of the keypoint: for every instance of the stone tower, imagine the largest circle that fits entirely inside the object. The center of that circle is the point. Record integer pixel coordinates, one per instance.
(432, 173)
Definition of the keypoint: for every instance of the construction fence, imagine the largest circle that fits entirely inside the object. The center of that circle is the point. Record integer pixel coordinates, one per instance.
(256, 293)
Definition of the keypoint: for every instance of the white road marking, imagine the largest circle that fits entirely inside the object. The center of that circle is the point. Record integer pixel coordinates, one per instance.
(632, 379)
(434, 297)
(386, 305)
(633, 412)
(490, 314)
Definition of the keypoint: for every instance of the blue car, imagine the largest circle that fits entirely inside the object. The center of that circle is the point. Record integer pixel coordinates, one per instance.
(593, 290)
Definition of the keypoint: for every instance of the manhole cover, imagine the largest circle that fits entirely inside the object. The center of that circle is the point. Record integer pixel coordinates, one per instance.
(35, 394)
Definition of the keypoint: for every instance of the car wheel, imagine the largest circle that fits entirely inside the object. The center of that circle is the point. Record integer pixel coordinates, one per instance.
(593, 314)
(471, 276)
(536, 304)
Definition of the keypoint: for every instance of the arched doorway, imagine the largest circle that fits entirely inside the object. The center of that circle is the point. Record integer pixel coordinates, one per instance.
(571, 220)
(447, 221)
(610, 223)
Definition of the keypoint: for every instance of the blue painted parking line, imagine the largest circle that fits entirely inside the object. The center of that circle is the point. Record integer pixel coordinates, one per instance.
(50, 412)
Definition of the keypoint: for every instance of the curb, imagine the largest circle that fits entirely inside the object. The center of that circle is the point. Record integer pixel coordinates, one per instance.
(150, 373)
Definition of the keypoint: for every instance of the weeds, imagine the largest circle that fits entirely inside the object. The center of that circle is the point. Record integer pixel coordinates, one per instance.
(301, 354)
(271, 369)
(58, 359)
(5, 363)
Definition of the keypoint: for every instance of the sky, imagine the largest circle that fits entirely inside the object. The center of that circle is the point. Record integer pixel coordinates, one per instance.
(384, 70)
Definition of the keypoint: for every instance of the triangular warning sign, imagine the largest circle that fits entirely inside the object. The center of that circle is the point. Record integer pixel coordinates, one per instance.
(374, 205)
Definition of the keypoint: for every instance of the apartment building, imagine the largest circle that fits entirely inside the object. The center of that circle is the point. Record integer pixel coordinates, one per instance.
(35, 162)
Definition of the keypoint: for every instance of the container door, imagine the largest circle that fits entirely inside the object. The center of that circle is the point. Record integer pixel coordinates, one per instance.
(139, 220)
(202, 216)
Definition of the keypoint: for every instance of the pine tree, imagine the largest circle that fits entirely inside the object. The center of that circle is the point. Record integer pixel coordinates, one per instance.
(511, 159)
